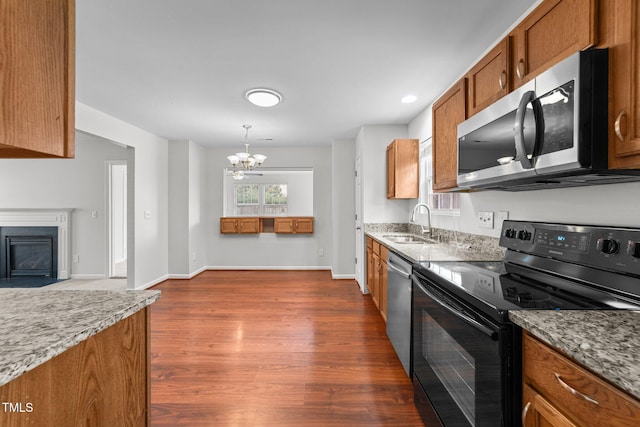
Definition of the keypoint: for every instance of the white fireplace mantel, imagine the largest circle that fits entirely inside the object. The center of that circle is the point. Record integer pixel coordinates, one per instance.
(60, 218)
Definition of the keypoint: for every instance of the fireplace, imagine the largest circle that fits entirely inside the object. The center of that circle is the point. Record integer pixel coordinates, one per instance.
(28, 251)
(54, 219)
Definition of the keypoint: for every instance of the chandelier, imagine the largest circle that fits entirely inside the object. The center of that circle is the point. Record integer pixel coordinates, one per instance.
(244, 161)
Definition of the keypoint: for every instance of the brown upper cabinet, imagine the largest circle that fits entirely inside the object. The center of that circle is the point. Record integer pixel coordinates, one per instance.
(552, 32)
(490, 79)
(403, 169)
(293, 225)
(239, 225)
(623, 30)
(37, 76)
(448, 111)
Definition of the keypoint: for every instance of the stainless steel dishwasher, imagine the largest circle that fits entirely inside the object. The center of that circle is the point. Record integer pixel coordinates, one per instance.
(399, 307)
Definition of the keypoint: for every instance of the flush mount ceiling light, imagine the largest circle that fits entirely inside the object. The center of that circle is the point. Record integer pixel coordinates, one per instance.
(409, 99)
(263, 97)
(245, 161)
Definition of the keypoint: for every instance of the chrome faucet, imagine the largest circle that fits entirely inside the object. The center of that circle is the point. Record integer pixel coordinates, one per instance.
(413, 217)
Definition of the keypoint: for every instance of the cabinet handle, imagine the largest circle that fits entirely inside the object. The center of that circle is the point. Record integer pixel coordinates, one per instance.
(520, 69)
(574, 391)
(617, 127)
(502, 80)
(525, 411)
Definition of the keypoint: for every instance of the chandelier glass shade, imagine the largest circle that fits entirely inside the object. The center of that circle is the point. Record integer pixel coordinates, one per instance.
(244, 161)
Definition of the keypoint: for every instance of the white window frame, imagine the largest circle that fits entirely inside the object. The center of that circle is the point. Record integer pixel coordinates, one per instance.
(262, 187)
(446, 204)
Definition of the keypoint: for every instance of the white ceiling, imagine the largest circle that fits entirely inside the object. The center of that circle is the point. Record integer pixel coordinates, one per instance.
(180, 68)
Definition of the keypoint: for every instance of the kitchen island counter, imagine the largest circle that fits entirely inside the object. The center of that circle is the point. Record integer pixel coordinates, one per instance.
(605, 342)
(37, 324)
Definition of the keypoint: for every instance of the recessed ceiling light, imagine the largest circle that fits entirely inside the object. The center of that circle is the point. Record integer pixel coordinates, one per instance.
(263, 97)
(409, 99)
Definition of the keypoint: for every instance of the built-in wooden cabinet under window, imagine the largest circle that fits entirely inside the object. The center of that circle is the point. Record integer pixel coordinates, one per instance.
(255, 225)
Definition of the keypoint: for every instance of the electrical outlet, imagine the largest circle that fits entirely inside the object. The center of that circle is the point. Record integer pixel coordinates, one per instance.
(76, 258)
(485, 219)
(321, 252)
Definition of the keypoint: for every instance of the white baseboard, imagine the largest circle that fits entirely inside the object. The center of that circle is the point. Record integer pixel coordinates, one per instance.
(88, 276)
(268, 267)
(342, 276)
(188, 276)
(152, 283)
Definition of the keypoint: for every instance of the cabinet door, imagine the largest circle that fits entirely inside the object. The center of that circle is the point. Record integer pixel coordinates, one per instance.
(228, 225)
(489, 80)
(403, 169)
(37, 76)
(552, 32)
(624, 60)
(575, 391)
(370, 264)
(248, 225)
(375, 289)
(448, 111)
(384, 254)
(303, 225)
(283, 225)
(391, 171)
(538, 412)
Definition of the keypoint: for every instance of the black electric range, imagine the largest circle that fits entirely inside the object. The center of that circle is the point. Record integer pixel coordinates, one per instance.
(466, 354)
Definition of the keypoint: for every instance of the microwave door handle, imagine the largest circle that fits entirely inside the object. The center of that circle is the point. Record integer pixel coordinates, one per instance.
(477, 325)
(521, 151)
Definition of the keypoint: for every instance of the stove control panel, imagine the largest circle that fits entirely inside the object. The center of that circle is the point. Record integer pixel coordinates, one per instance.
(606, 247)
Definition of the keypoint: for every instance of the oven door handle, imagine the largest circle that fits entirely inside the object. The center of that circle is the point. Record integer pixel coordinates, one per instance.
(477, 325)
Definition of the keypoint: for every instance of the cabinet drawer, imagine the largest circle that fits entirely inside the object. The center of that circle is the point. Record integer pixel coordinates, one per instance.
(369, 243)
(376, 247)
(593, 402)
(384, 253)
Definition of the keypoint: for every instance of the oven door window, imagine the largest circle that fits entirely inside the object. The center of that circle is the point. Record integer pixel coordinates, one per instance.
(458, 365)
(452, 364)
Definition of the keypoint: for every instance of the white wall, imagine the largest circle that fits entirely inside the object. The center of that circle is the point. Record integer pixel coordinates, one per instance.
(343, 208)
(199, 217)
(148, 193)
(268, 250)
(371, 145)
(78, 183)
(179, 195)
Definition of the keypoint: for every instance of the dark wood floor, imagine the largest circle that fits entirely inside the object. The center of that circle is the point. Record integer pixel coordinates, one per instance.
(273, 348)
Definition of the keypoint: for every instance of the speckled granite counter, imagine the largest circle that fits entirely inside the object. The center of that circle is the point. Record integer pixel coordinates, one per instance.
(439, 251)
(606, 342)
(37, 324)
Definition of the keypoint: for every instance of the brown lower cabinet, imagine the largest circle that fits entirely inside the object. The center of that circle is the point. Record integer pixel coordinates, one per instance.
(559, 392)
(103, 381)
(377, 255)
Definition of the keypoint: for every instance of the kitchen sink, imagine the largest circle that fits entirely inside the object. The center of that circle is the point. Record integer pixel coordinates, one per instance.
(408, 238)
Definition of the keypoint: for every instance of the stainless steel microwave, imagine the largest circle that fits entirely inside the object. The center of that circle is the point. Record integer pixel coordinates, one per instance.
(551, 132)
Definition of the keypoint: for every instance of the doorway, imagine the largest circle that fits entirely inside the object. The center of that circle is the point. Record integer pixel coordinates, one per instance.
(117, 219)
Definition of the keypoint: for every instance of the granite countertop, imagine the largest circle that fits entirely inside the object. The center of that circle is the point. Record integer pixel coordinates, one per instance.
(606, 342)
(437, 250)
(37, 324)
